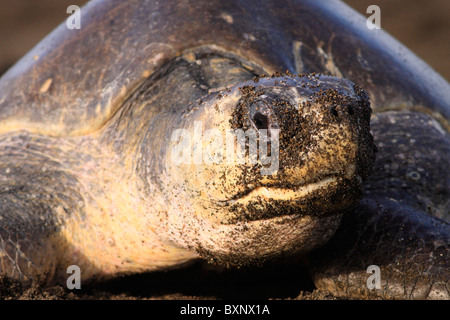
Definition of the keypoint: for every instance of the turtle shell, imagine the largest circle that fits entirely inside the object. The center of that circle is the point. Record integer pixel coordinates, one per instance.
(73, 81)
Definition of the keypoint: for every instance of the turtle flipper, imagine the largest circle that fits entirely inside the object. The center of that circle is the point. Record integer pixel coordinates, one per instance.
(411, 250)
(36, 194)
(26, 251)
(394, 226)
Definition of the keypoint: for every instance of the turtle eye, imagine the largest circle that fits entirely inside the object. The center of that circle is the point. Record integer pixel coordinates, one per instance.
(260, 115)
(261, 121)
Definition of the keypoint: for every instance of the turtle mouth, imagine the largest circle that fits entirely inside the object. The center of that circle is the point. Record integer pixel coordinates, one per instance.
(270, 191)
(330, 194)
(284, 194)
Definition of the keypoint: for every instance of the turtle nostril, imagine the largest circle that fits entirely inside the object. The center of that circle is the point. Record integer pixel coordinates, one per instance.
(260, 115)
(350, 110)
(261, 121)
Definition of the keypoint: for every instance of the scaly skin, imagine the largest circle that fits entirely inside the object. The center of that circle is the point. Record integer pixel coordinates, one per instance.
(395, 225)
(61, 207)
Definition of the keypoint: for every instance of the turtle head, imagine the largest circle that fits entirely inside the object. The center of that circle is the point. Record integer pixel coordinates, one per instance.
(269, 166)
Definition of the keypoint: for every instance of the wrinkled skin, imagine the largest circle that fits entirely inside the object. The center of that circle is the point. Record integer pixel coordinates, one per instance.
(87, 175)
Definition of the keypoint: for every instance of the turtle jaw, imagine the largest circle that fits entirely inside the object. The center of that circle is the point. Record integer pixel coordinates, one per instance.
(283, 194)
(255, 242)
(271, 223)
(328, 196)
(268, 189)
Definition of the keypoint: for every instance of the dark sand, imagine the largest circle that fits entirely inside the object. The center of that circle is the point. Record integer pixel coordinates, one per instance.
(422, 25)
(198, 281)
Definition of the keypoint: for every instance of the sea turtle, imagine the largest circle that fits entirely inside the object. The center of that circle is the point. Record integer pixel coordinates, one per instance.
(103, 163)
